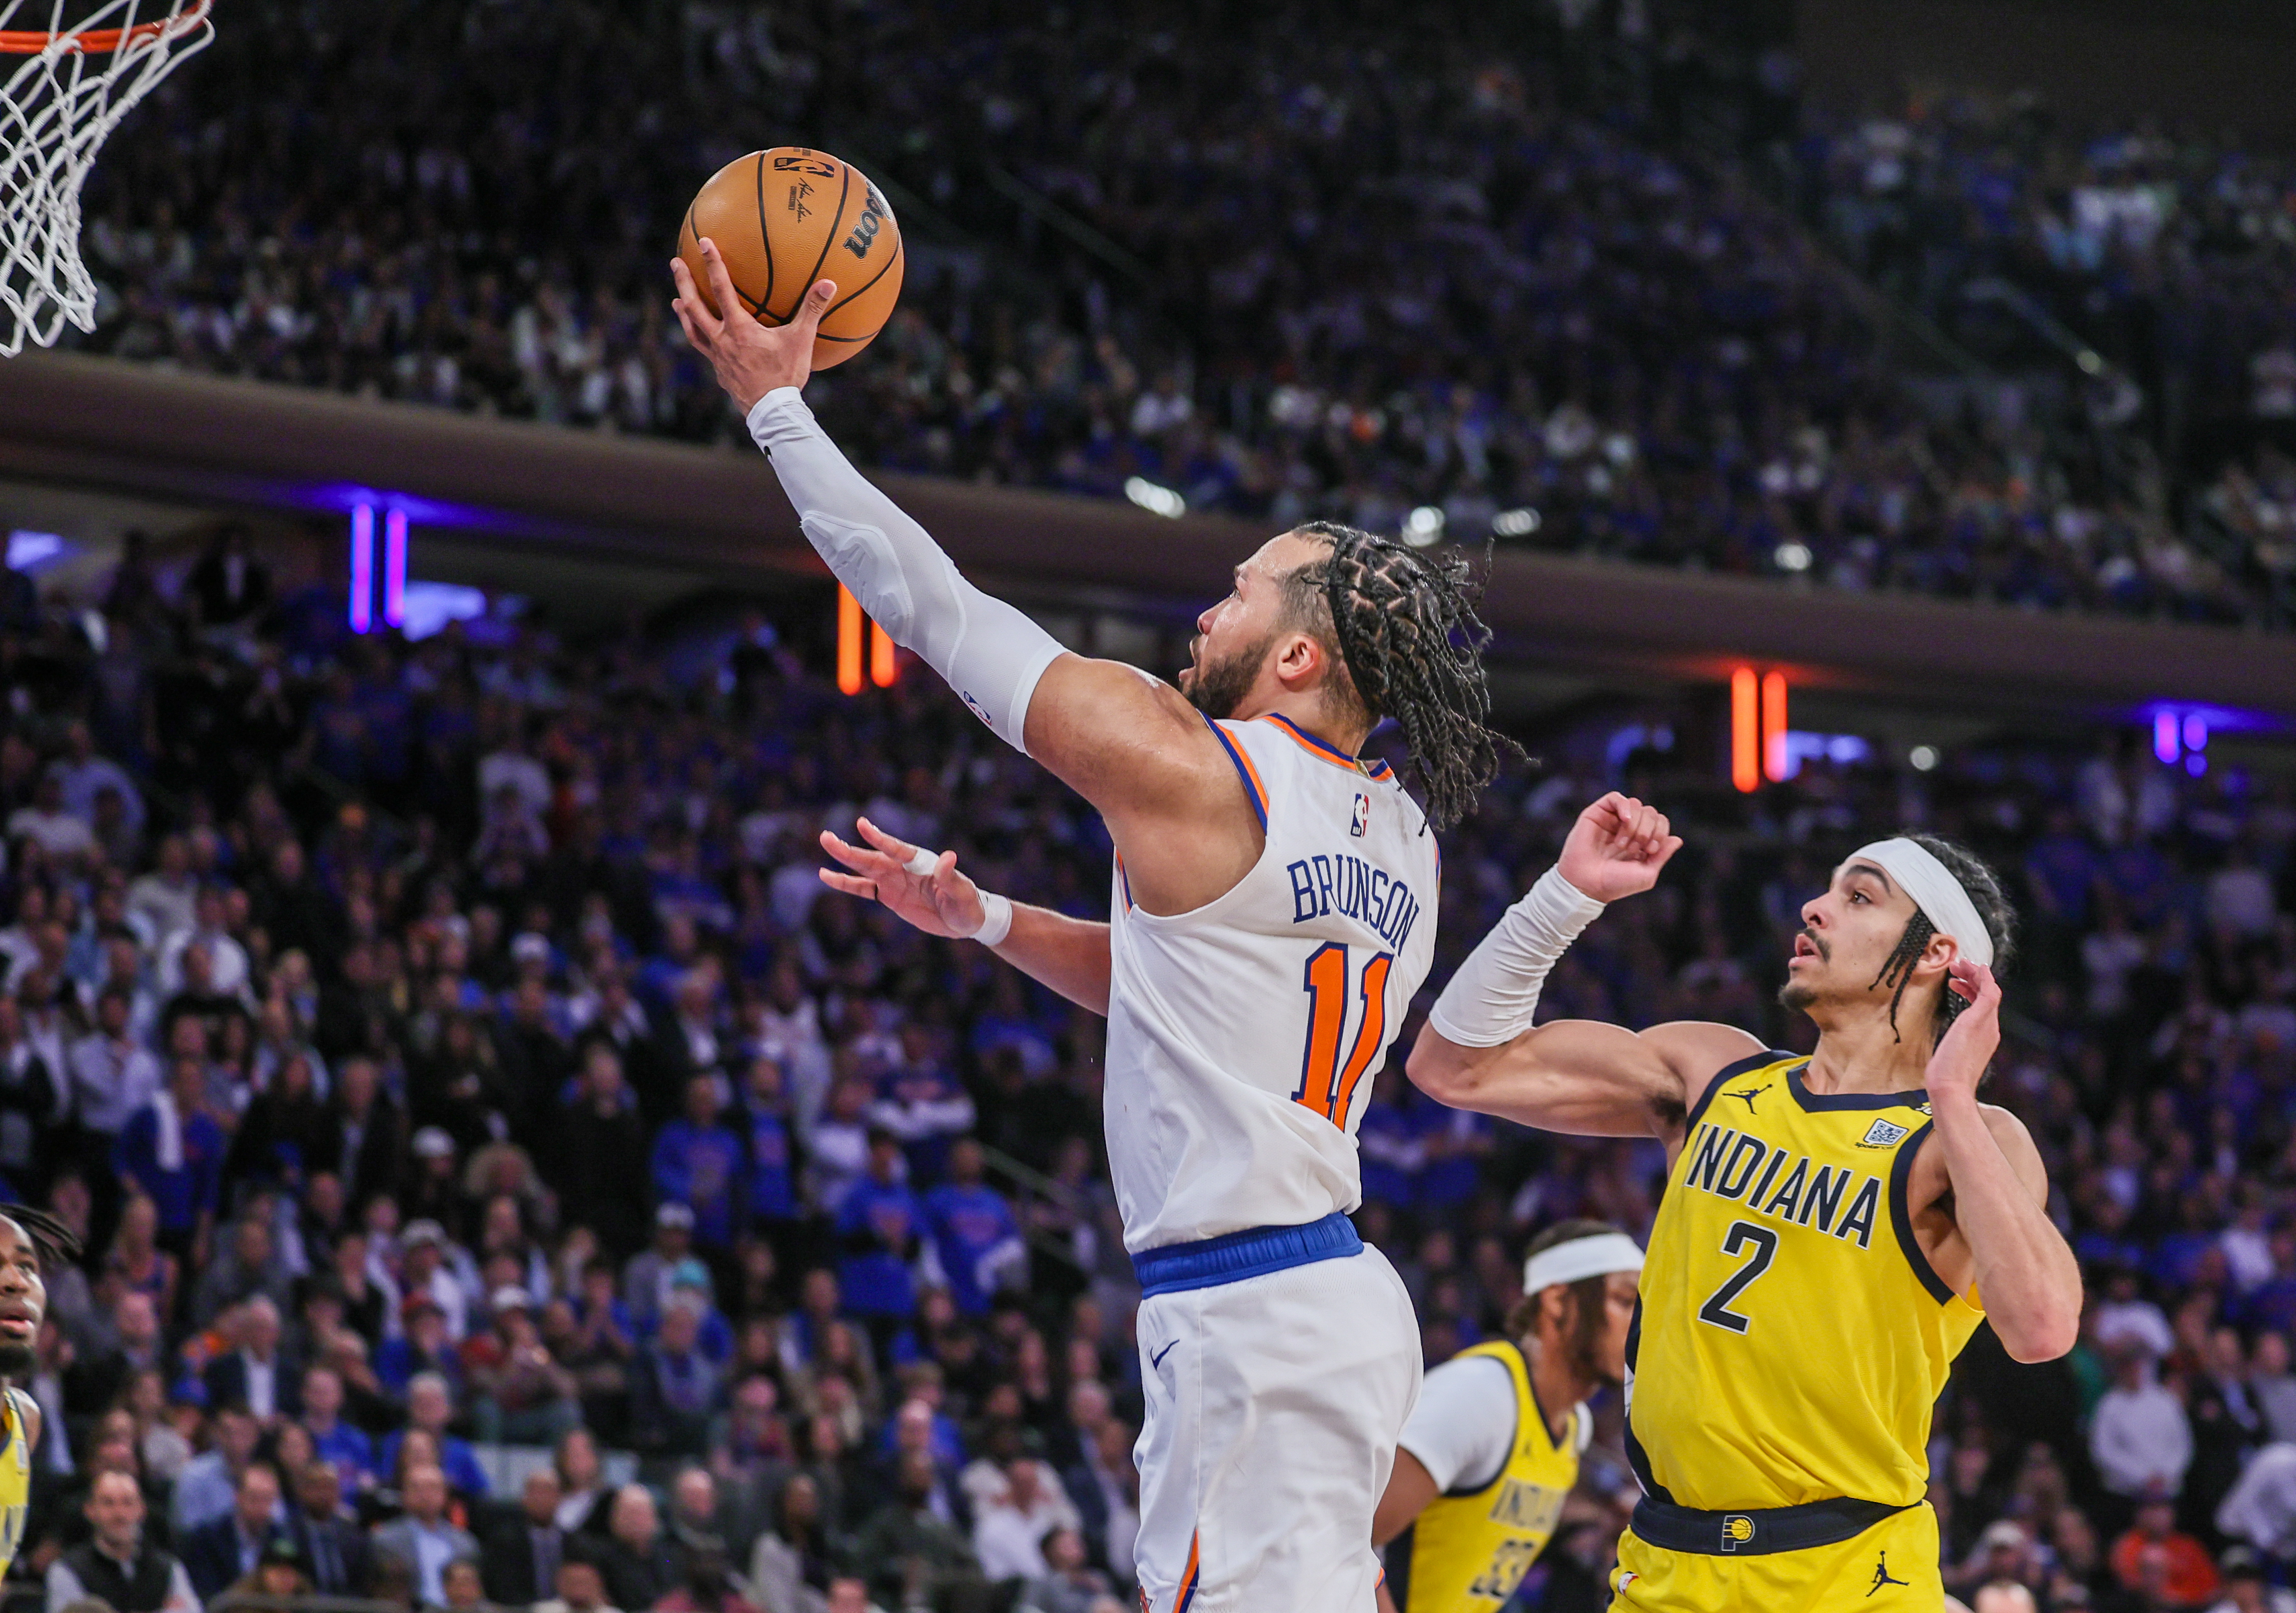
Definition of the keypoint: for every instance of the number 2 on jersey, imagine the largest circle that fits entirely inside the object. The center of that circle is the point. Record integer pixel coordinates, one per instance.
(1717, 1308)
(1325, 1085)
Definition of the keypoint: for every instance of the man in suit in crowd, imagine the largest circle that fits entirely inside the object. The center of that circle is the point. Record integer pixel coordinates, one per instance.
(520, 1549)
(217, 1555)
(334, 1548)
(423, 1542)
(258, 1375)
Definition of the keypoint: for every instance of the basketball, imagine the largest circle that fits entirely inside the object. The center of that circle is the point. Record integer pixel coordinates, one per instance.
(787, 218)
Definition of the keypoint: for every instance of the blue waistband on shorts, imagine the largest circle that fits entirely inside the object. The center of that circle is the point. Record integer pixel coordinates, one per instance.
(1254, 1252)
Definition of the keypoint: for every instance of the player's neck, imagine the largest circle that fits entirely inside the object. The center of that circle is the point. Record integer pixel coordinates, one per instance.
(1307, 711)
(1861, 1053)
(1558, 1387)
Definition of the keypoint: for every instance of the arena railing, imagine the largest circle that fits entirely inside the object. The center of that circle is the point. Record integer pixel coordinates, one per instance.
(722, 516)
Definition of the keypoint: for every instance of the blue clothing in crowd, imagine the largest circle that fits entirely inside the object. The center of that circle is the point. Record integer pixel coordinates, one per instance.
(192, 1190)
(455, 1457)
(968, 1224)
(700, 1167)
(879, 1225)
(773, 1184)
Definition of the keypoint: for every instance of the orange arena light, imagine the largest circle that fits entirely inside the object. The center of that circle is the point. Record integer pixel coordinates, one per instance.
(882, 669)
(1745, 753)
(849, 641)
(1774, 726)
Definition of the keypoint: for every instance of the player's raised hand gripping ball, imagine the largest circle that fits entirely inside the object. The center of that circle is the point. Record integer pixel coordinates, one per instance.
(783, 220)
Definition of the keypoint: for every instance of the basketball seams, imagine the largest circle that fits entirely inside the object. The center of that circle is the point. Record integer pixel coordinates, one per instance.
(864, 290)
(856, 208)
(702, 284)
(765, 235)
(836, 228)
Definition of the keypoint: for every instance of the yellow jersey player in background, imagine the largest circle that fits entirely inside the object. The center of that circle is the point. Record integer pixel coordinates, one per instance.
(27, 1238)
(1834, 1228)
(1492, 1448)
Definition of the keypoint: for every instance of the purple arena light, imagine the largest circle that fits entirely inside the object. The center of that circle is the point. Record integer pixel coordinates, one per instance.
(394, 568)
(362, 566)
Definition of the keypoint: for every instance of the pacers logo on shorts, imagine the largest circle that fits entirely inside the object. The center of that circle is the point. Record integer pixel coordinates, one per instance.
(1737, 1530)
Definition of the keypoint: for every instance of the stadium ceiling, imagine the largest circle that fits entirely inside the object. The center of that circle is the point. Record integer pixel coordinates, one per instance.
(99, 423)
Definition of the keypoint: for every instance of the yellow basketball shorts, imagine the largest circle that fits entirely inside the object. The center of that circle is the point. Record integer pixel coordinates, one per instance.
(1890, 1568)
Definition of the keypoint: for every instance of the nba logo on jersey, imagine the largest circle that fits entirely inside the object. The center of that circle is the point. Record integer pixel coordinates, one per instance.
(1361, 823)
(1737, 1530)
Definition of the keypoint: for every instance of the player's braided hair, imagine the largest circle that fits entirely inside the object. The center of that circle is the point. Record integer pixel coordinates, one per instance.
(57, 1243)
(1992, 904)
(1411, 645)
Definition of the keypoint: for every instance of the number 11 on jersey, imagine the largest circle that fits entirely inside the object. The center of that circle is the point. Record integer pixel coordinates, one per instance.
(1325, 1085)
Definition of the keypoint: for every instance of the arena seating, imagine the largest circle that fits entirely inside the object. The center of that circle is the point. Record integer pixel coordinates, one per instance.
(1321, 263)
(502, 1011)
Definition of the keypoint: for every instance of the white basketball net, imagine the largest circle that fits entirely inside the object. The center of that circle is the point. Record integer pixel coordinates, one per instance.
(62, 98)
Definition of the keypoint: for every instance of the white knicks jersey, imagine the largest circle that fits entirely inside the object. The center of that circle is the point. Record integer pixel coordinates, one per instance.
(1242, 1037)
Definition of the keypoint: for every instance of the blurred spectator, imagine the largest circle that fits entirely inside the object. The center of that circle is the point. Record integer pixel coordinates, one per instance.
(429, 1409)
(334, 1549)
(116, 1566)
(219, 1554)
(911, 1551)
(423, 1540)
(791, 1560)
(2246, 1588)
(2155, 1558)
(2138, 1433)
(522, 1550)
(581, 1588)
(640, 1567)
(207, 1489)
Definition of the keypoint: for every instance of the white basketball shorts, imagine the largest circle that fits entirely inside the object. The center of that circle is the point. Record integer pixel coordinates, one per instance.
(1275, 1400)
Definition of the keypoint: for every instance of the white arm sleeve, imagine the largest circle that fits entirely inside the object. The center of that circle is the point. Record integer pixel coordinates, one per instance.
(1492, 998)
(1463, 1426)
(990, 653)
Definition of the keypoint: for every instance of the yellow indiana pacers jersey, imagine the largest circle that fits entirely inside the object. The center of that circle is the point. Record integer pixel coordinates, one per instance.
(1469, 1550)
(1791, 1338)
(15, 1478)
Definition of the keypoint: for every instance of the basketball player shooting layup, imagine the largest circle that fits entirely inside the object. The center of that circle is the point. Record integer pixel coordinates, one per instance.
(1273, 912)
(1834, 1228)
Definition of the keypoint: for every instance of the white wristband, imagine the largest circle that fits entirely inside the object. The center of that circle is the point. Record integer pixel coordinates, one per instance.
(996, 911)
(996, 920)
(1494, 996)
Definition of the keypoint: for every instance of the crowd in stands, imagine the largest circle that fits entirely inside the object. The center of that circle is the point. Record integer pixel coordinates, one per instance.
(1314, 262)
(449, 1055)
(2171, 252)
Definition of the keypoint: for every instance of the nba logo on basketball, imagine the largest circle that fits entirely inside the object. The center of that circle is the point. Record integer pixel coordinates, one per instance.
(1361, 825)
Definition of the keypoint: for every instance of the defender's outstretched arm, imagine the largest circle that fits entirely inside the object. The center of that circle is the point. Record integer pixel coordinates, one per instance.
(1478, 1049)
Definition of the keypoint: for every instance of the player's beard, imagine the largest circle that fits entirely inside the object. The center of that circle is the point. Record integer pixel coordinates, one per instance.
(15, 1360)
(1218, 687)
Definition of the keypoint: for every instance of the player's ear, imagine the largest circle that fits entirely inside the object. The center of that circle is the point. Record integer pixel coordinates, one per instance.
(1937, 956)
(1299, 660)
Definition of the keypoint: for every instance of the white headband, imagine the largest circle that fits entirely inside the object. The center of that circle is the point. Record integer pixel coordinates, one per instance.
(1596, 1255)
(1935, 891)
